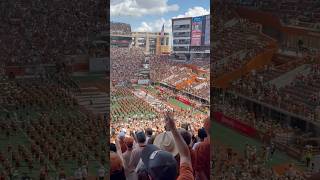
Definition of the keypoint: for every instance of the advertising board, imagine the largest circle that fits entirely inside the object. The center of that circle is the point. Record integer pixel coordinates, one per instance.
(196, 31)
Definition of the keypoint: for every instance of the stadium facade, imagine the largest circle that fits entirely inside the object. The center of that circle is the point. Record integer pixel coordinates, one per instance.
(152, 42)
(120, 34)
(191, 37)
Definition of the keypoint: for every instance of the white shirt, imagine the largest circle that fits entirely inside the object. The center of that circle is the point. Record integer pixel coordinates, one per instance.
(195, 145)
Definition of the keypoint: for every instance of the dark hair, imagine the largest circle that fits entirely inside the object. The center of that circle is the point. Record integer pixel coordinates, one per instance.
(185, 135)
(149, 132)
(129, 145)
(151, 139)
(185, 126)
(202, 133)
(113, 147)
(118, 175)
(141, 137)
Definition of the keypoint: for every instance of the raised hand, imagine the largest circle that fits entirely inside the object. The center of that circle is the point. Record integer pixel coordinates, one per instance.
(169, 121)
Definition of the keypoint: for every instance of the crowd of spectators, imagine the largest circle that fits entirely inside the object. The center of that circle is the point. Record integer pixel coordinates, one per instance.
(45, 134)
(126, 63)
(181, 143)
(137, 113)
(272, 133)
(291, 12)
(230, 164)
(173, 73)
(238, 41)
(236, 44)
(270, 129)
(301, 96)
(36, 32)
(120, 28)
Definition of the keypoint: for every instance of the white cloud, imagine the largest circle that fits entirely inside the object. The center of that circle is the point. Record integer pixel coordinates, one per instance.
(195, 11)
(138, 8)
(155, 26)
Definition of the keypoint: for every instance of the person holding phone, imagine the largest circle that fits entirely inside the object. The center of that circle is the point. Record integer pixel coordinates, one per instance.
(155, 159)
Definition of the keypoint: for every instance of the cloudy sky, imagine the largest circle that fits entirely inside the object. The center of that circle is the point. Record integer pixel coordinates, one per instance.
(150, 15)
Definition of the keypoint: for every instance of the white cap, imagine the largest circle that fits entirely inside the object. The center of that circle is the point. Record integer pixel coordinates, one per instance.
(122, 134)
(123, 130)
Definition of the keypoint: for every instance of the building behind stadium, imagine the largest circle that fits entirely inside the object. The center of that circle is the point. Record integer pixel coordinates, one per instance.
(191, 37)
(151, 42)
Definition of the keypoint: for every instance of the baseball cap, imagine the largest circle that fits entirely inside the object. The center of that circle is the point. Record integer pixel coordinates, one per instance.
(123, 130)
(141, 137)
(122, 134)
(160, 165)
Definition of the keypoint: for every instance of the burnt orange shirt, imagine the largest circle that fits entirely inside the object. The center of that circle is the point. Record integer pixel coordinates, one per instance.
(202, 157)
(186, 172)
(193, 158)
(123, 146)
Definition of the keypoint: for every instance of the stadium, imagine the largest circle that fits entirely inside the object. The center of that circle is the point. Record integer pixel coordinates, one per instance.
(265, 80)
(145, 87)
(53, 90)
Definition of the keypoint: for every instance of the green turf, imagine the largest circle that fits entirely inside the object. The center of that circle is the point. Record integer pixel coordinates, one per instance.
(179, 104)
(152, 89)
(237, 141)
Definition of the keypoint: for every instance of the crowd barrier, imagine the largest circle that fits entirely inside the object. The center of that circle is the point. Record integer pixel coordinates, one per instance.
(183, 100)
(235, 124)
(249, 131)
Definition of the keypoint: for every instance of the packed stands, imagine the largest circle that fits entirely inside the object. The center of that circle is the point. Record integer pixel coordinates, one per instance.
(300, 96)
(45, 31)
(45, 133)
(193, 81)
(229, 164)
(125, 63)
(138, 122)
(241, 40)
(292, 12)
(275, 103)
(141, 118)
(120, 28)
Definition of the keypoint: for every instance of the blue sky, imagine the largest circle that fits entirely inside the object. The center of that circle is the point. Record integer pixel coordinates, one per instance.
(149, 15)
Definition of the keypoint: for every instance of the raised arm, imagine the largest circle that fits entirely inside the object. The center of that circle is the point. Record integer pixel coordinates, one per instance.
(181, 145)
(119, 152)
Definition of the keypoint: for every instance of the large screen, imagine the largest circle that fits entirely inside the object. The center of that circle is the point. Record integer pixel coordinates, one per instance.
(196, 31)
(207, 31)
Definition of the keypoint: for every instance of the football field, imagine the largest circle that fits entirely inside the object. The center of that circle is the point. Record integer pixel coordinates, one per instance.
(238, 141)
